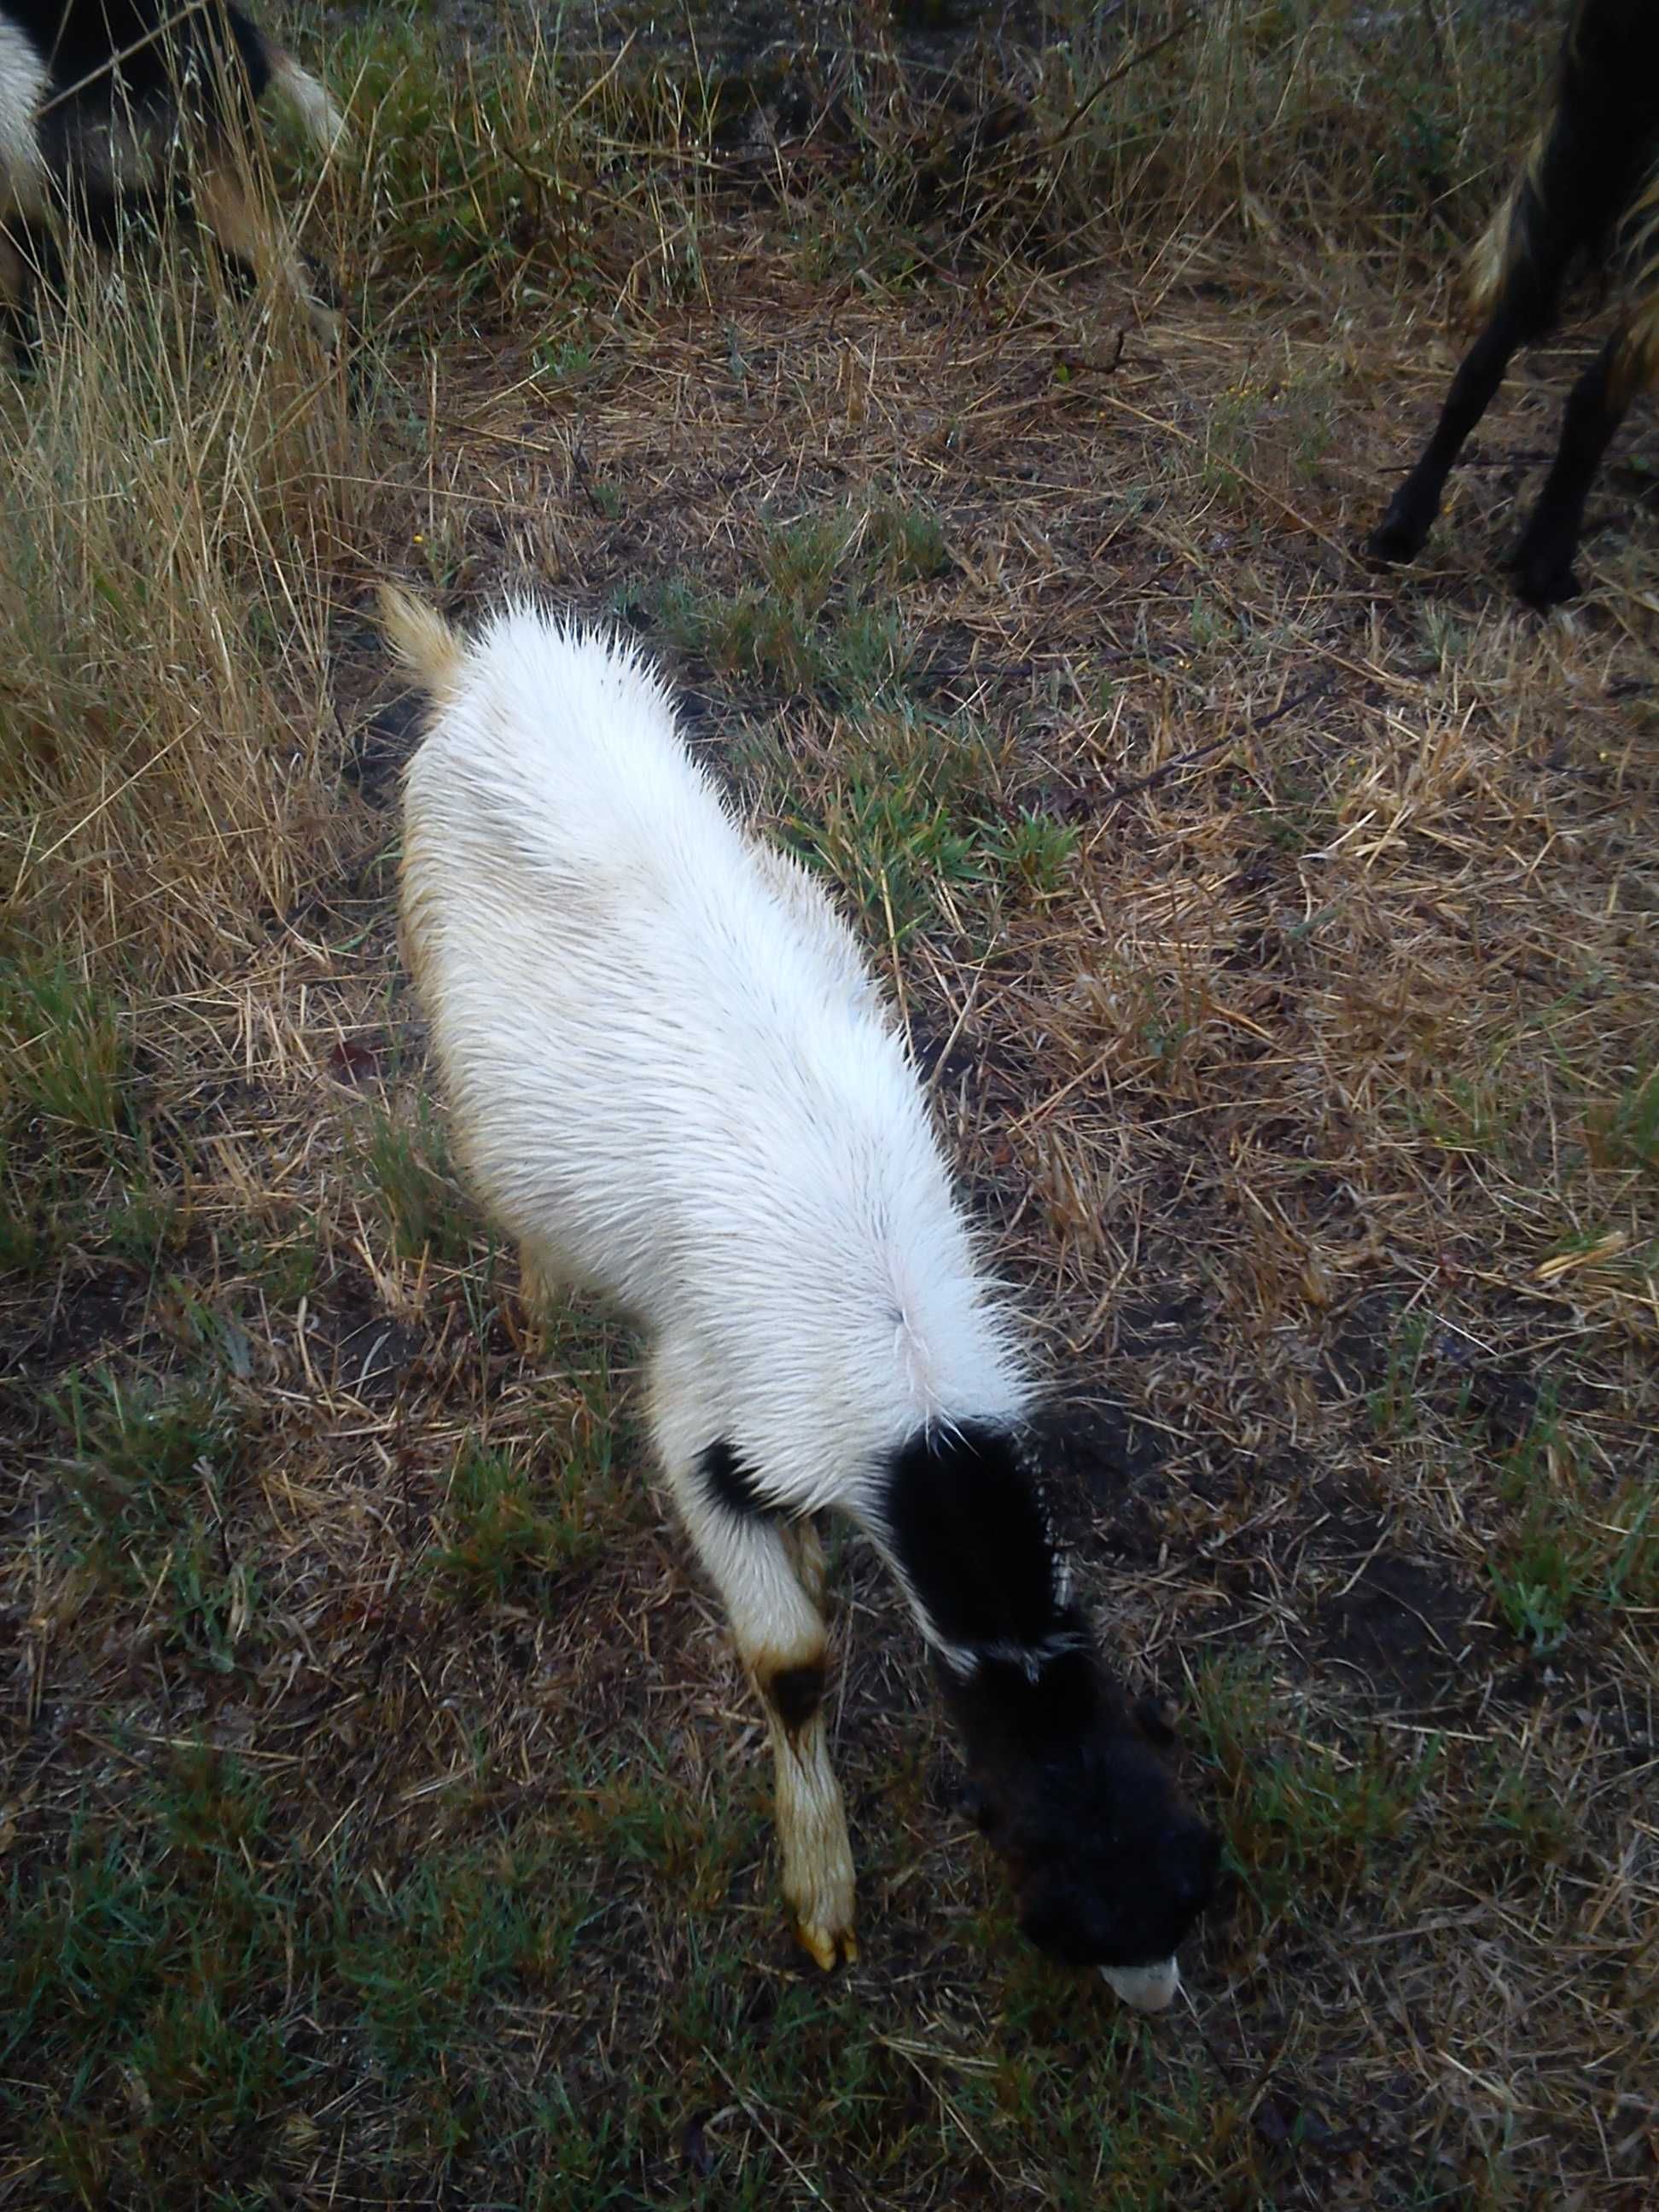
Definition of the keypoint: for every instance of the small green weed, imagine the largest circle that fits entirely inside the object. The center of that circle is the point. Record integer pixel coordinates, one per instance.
(564, 360)
(406, 1159)
(824, 618)
(1039, 851)
(896, 848)
(140, 1225)
(63, 1048)
(1394, 1405)
(509, 1530)
(138, 1447)
(1473, 1114)
(1259, 433)
(1304, 1817)
(1516, 1812)
(906, 544)
(146, 1478)
(1625, 1131)
(1568, 1553)
(25, 1240)
(914, 823)
(1443, 637)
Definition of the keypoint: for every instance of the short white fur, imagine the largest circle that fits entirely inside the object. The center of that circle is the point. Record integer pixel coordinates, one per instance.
(23, 81)
(672, 1079)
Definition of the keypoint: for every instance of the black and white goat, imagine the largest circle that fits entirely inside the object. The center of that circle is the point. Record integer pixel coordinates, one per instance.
(670, 1076)
(1588, 192)
(106, 105)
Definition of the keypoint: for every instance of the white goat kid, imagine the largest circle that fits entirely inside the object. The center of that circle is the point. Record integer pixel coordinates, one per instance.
(671, 1078)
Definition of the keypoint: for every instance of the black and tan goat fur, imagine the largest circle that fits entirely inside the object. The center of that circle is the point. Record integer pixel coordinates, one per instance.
(1587, 196)
(111, 106)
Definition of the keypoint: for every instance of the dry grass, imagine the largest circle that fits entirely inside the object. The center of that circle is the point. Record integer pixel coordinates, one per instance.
(382, 1814)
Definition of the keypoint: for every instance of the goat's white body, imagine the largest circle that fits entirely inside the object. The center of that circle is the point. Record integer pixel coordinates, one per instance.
(672, 1079)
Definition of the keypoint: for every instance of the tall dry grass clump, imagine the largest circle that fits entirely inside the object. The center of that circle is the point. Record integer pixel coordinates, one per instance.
(1292, 117)
(173, 474)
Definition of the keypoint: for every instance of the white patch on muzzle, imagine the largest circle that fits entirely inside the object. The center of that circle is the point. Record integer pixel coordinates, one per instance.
(1148, 1988)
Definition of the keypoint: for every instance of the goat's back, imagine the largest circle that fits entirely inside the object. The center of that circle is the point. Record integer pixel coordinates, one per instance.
(668, 1071)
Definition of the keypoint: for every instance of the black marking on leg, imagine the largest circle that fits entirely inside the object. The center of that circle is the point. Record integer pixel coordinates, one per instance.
(968, 1533)
(795, 1693)
(731, 1484)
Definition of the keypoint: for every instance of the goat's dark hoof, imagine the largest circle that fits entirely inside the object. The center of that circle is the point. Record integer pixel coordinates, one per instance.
(1392, 543)
(828, 1947)
(1544, 584)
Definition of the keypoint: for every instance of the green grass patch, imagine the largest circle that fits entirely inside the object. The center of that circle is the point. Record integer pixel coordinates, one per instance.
(65, 1058)
(822, 618)
(511, 1528)
(182, 1974)
(406, 1160)
(1569, 1552)
(913, 824)
(1625, 1132)
(145, 1482)
(1305, 1821)
(1394, 1403)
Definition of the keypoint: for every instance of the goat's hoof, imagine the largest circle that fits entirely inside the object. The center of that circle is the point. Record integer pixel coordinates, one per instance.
(1393, 542)
(829, 1946)
(1543, 585)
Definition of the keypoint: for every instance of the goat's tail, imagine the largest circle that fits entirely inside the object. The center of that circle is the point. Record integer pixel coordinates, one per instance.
(308, 101)
(422, 640)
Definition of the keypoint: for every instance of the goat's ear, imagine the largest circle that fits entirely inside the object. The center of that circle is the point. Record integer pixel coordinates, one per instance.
(1156, 1719)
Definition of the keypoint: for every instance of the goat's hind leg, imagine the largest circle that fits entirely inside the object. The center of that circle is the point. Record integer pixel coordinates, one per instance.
(770, 1573)
(1596, 407)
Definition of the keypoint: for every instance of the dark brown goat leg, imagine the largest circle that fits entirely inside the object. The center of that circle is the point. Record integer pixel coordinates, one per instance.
(1412, 511)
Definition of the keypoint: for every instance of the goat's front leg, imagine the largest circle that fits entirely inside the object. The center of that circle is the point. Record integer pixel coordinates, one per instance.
(254, 241)
(17, 299)
(1404, 528)
(770, 1573)
(817, 1856)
